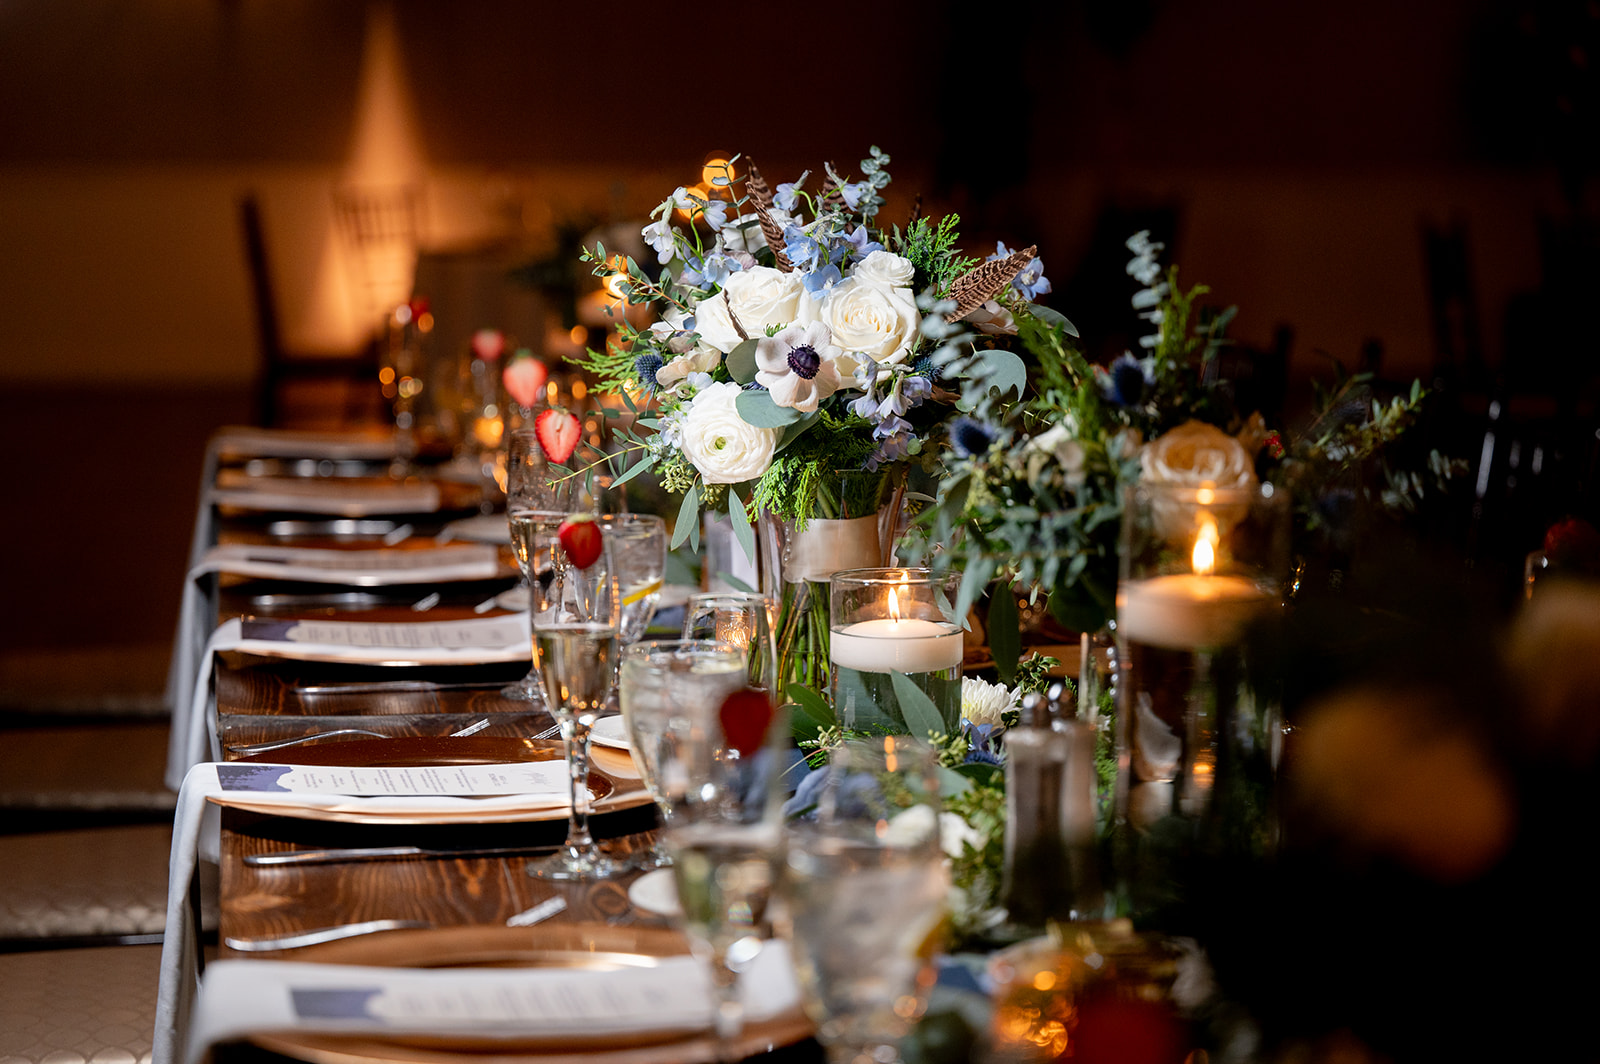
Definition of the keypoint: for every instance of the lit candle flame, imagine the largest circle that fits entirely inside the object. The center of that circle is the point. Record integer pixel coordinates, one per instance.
(894, 605)
(1204, 558)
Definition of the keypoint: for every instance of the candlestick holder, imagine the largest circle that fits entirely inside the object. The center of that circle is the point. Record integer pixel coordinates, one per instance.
(889, 622)
(1200, 564)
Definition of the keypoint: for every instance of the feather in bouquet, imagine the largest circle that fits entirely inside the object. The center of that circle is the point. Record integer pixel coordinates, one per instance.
(804, 355)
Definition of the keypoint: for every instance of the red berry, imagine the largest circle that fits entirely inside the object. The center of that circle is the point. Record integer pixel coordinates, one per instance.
(745, 715)
(524, 379)
(1573, 543)
(558, 433)
(580, 537)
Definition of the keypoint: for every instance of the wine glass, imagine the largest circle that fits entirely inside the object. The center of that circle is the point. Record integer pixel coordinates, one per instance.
(741, 618)
(724, 836)
(575, 655)
(863, 886)
(666, 688)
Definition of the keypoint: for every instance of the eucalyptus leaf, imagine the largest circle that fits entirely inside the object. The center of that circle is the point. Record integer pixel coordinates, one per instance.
(1002, 370)
(796, 429)
(1005, 632)
(735, 583)
(811, 714)
(741, 525)
(1052, 317)
(741, 362)
(953, 782)
(758, 409)
(688, 516)
(922, 717)
(634, 470)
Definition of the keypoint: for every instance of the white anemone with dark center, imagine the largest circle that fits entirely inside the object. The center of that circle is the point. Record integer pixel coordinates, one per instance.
(799, 366)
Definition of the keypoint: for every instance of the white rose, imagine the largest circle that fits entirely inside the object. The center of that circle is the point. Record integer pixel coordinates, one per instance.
(760, 296)
(1195, 453)
(885, 268)
(1061, 446)
(701, 359)
(868, 319)
(723, 446)
(983, 702)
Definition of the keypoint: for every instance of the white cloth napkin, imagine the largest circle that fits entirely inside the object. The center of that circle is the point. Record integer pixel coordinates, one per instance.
(354, 568)
(475, 641)
(334, 498)
(195, 837)
(241, 997)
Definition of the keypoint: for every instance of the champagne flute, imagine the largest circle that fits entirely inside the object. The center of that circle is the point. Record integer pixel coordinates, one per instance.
(864, 894)
(666, 686)
(741, 618)
(725, 836)
(529, 490)
(576, 656)
(543, 564)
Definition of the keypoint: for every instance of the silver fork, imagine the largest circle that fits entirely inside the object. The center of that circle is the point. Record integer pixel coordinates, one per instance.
(277, 744)
(320, 935)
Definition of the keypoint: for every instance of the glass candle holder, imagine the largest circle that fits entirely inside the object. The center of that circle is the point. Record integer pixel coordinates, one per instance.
(1199, 565)
(887, 623)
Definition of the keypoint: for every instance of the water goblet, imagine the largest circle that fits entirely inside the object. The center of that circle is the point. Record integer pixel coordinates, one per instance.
(741, 618)
(639, 557)
(666, 686)
(576, 657)
(724, 835)
(863, 888)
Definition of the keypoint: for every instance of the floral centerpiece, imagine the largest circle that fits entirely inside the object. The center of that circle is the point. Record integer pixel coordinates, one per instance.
(804, 356)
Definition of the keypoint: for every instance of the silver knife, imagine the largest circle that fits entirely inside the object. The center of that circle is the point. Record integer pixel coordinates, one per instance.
(320, 935)
(371, 853)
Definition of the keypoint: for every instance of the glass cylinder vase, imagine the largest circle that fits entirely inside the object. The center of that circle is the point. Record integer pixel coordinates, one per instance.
(890, 626)
(852, 526)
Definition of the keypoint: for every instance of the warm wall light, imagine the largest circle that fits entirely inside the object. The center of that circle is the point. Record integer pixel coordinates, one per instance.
(717, 167)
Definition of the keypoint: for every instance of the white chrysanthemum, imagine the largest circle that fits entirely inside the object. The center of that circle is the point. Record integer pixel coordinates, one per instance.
(985, 703)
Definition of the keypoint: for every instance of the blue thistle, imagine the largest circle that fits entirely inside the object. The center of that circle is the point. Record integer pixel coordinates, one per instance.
(970, 437)
(1127, 380)
(646, 366)
(981, 756)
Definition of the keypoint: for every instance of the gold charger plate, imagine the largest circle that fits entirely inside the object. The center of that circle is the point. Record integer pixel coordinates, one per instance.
(572, 946)
(612, 793)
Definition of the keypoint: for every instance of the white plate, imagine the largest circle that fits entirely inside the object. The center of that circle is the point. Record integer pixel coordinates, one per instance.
(480, 528)
(612, 732)
(656, 892)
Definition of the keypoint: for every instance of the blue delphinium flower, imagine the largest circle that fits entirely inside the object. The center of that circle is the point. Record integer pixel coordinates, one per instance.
(819, 281)
(658, 235)
(1031, 283)
(719, 266)
(860, 243)
(715, 213)
(803, 251)
(788, 193)
(970, 438)
(646, 366)
(1127, 380)
(890, 449)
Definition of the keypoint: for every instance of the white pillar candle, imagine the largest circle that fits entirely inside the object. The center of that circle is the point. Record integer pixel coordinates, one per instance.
(1187, 611)
(886, 645)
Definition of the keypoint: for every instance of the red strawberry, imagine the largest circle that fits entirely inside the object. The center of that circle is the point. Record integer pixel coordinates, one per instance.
(558, 433)
(745, 715)
(488, 344)
(580, 537)
(524, 380)
(1573, 543)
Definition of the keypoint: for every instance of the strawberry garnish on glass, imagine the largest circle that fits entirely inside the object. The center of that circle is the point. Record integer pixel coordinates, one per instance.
(580, 537)
(558, 431)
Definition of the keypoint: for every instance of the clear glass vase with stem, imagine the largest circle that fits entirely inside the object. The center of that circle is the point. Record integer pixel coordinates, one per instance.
(575, 653)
